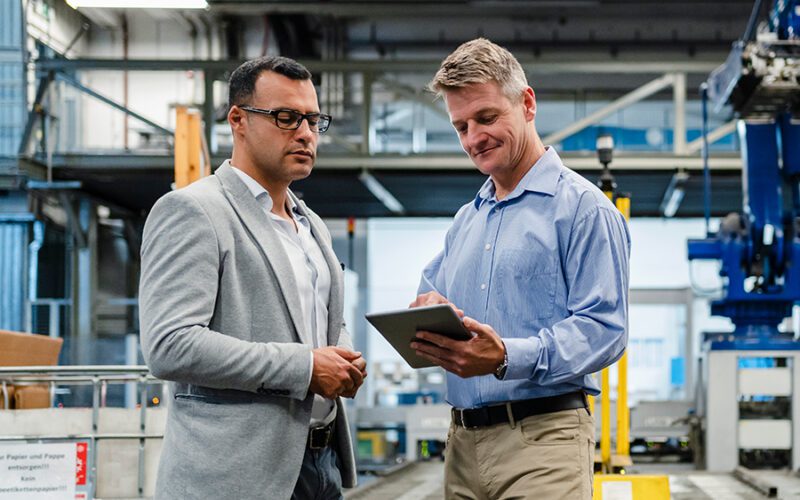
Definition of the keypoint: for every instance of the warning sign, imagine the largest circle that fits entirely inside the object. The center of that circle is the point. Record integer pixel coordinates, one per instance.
(40, 471)
(80, 464)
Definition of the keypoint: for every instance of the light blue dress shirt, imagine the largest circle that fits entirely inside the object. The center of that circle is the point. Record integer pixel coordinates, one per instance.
(547, 268)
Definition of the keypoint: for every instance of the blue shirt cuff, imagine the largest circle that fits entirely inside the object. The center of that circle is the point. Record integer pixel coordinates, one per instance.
(523, 354)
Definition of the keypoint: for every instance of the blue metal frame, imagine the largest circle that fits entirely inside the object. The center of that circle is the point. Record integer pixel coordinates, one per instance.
(785, 19)
(759, 250)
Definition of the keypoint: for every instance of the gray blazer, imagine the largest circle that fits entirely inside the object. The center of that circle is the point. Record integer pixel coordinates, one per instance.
(221, 319)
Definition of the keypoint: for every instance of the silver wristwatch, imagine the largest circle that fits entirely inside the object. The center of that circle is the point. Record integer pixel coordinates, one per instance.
(500, 371)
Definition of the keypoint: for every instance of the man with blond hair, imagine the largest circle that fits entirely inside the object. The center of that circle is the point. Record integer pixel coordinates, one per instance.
(537, 265)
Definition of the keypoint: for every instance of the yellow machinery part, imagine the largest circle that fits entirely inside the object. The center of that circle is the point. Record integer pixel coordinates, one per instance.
(191, 152)
(623, 412)
(633, 487)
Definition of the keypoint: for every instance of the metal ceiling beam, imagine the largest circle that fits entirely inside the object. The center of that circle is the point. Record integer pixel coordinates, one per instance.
(423, 162)
(100, 97)
(537, 66)
(108, 162)
(102, 17)
(384, 9)
(632, 97)
(476, 8)
(416, 95)
(522, 45)
(335, 138)
(713, 136)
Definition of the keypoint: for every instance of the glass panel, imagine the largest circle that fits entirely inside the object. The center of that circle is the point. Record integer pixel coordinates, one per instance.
(656, 361)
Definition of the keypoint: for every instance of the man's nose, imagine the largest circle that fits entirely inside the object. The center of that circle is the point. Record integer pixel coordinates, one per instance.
(475, 141)
(304, 132)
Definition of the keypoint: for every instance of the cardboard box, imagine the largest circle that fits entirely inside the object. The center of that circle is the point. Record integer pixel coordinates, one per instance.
(10, 390)
(26, 349)
(31, 396)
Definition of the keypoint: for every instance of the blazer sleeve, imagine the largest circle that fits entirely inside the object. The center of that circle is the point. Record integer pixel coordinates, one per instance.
(345, 340)
(180, 267)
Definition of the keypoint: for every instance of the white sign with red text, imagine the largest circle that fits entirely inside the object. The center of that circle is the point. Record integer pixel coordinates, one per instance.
(40, 471)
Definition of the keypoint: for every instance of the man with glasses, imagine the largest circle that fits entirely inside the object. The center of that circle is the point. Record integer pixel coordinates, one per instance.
(241, 301)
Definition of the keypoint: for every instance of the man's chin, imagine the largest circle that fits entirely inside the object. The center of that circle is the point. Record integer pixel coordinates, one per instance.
(300, 170)
(485, 167)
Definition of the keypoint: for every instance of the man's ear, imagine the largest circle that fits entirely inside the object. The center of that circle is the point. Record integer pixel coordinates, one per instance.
(529, 102)
(237, 119)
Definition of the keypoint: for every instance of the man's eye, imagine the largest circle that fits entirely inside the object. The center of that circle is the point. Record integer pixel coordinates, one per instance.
(286, 117)
(313, 120)
(488, 119)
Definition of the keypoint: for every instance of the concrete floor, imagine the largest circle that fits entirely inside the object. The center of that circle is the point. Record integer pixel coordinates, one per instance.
(423, 481)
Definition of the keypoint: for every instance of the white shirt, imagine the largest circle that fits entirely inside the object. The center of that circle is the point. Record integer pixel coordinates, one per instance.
(311, 274)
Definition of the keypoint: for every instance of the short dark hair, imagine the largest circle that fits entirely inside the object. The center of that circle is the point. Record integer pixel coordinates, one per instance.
(242, 83)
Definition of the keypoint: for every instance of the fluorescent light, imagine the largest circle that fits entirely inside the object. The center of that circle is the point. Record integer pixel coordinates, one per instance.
(378, 191)
(138, 4)
(673, 195)
(670, 206)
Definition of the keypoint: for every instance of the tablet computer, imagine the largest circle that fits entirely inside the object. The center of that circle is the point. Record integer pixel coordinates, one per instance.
(400, 328)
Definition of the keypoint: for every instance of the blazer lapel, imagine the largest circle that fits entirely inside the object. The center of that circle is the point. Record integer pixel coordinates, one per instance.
(335, 300)
(253, 218)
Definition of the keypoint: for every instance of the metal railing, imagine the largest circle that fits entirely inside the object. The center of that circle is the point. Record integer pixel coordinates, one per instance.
(99, 377)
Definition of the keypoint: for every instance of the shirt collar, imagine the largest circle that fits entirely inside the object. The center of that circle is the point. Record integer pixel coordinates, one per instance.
(541, 178)
(261, 194)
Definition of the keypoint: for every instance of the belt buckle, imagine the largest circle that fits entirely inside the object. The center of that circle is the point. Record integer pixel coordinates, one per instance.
(325, 438)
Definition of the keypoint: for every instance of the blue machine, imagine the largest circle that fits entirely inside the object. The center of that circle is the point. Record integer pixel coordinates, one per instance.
(759, 249)
(751, 414)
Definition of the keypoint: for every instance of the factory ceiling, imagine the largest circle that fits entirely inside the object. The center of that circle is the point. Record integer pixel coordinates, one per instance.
(572, 50)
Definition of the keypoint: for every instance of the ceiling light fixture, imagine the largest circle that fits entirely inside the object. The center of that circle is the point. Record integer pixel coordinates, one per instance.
(138, 4)
(378, 191)
(673, 195)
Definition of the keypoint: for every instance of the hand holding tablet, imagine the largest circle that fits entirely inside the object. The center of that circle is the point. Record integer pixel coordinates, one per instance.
(400, 328)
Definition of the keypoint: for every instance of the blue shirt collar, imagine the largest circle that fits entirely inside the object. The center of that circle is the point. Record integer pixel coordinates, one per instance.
(541, 178)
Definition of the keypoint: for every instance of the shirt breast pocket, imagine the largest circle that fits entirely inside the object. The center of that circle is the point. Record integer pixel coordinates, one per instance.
(526, 284)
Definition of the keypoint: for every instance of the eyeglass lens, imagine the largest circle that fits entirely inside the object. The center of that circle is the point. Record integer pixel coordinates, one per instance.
(289, 119)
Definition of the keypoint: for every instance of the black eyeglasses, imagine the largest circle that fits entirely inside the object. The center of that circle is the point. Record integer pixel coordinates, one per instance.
(289, 119)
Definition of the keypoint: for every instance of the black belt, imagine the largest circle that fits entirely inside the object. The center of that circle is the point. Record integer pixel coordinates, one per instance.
(320, 437)
(502, 414)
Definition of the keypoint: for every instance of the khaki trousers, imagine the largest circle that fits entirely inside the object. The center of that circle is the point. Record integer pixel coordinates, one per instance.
(547, 457)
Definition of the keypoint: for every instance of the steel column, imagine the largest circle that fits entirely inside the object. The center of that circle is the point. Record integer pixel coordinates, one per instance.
(367, 130)
(679, 103)
(84, 283)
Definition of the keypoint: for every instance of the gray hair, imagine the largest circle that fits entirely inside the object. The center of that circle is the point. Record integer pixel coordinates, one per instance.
(480, 61)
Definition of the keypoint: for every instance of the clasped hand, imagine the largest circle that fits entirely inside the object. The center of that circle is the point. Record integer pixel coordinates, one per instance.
(337, 372)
